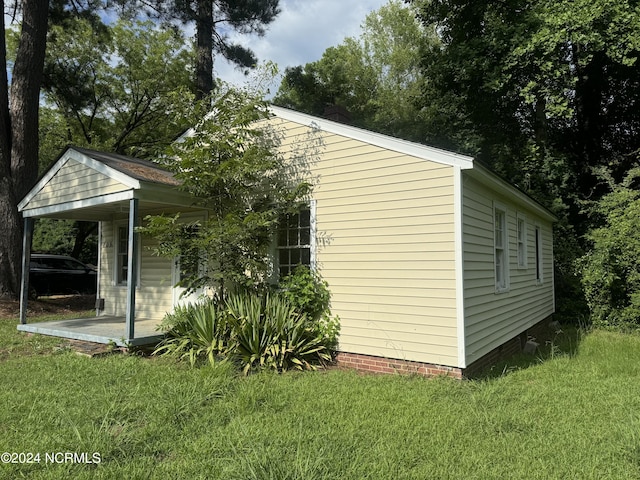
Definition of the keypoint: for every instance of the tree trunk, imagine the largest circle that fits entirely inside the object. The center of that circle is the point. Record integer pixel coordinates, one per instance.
(83, 230)
(204, 49)
(19, 132)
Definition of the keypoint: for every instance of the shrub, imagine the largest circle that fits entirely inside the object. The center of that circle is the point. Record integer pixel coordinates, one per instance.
(197, 331)
(611, 269)
(309, 293)
(256, 331)
(268, 332)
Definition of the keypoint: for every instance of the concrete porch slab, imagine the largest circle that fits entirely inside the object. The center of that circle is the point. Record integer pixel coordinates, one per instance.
(98, 330)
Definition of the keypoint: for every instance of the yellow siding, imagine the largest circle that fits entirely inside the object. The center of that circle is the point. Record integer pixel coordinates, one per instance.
(154, 295)
(72, 182)
(493, 318)
(385, 244)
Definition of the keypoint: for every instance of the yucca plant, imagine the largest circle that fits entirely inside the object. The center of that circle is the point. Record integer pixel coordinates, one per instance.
(268, 332)
(199, 331)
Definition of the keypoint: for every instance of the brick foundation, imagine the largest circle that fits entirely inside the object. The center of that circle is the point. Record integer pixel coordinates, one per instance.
(373, 364)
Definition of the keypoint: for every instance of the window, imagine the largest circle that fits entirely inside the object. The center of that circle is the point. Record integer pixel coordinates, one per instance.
(295, 238)
(522, 241)
(501, 255)
(538, 255)
(122, 255)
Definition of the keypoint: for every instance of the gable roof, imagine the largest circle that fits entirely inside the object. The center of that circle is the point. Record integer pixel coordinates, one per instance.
(133, 167)
(82, 178)
(418, 150)
(434, 154)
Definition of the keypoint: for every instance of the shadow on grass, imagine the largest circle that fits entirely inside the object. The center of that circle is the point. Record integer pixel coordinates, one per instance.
(562, 341)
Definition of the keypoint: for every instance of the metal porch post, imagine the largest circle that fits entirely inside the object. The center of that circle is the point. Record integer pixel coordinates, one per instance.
(132, 269)
(26, 257)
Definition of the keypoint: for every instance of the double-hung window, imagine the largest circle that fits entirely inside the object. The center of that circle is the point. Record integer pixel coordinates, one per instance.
(522, 241)
(122, 255)
(539, 276)
(501, 248)
(295, 241)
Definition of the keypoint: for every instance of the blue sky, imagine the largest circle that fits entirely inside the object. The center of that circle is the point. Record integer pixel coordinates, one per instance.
(301, 33)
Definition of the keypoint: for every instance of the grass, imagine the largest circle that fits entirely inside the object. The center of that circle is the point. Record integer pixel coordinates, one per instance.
(574, 415)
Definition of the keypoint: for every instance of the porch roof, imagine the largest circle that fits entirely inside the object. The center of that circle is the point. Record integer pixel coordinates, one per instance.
(89, 185)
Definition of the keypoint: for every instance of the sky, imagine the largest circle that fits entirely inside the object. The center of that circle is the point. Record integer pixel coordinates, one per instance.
(303, 30)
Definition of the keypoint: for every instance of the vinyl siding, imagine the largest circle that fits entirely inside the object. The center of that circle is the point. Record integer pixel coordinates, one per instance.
(154, 295)
(385, 245)
(493, 318)
(72, 182)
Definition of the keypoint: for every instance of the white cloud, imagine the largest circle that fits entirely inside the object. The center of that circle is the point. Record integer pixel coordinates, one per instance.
(301, 33)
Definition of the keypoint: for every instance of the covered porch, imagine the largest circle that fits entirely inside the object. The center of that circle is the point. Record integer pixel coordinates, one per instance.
(134, 290)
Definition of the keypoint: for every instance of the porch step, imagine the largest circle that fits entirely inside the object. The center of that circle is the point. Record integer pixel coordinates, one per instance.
(91, 349)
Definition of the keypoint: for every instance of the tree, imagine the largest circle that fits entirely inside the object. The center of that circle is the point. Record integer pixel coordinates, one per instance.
(543, 91)
(19, 134)
(231, 164)
(611, 268)
(376, 76)
(123, 89)
(211, 18)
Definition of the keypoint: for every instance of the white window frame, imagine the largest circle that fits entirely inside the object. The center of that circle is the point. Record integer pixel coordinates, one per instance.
(521, 239)
(312, 242)
(539, 255)
(501, 248)
(116, 254)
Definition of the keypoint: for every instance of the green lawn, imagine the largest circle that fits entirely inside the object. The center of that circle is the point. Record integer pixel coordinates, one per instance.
(571, 416)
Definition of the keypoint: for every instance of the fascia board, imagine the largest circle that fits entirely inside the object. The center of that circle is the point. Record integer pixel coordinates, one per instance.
(71, 154)
(493, 181)
(78, 204)
(384, 141)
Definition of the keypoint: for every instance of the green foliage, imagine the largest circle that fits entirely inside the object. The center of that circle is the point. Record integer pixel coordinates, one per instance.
(256, 331)
(376, 76)
(60, 237)
(123, 88)
(196, 332)
(269, 333)
(611, 269)
(307, 292)
(232, 165)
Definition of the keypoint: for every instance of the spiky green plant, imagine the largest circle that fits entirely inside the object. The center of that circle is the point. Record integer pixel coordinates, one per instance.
(198, 331)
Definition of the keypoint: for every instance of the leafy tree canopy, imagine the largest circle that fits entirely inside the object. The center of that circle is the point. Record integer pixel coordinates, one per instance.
(232, 164)
(376, 76)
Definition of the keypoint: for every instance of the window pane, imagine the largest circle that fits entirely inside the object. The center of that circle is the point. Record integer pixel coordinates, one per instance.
(292, 221)
(295, 256)
(305, 218)
(283, 257)
(293, 237)
(305, 256)
(305, 236)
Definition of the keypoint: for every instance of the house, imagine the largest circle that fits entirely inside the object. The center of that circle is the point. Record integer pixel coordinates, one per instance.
(435, 264)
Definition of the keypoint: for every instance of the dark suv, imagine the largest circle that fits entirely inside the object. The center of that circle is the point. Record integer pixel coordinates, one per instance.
(60, 274)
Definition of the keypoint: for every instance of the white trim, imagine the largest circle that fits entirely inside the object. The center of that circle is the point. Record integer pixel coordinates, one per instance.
(458, 198)
(501, 186)
(114, 279)
(313, 231)
(384, 141)
(497, 206)
(71, 154)
(78, 204)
